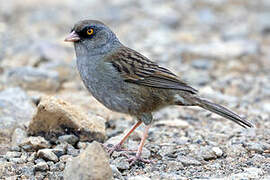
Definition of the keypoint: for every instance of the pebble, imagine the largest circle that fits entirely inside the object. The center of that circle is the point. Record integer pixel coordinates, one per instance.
(15, 148)
(34, 143)
(59, 150)
(168, 151)
(57, 166)
(207, 153)
(17, 160)
(188, 161)
(218, 152)
(41, 166)
(116, 173)
(13, 154)
(38, 160)
(71, 139)
(47, 154)
(121, 163)
(174, 166)
(55, 175)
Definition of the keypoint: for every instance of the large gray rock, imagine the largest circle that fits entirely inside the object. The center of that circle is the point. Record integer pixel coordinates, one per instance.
(57, 117)
(16, 108)
(66, 71)
(33, 79)
(91, 164)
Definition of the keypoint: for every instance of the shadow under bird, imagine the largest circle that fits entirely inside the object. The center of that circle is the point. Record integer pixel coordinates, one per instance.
(125, 81)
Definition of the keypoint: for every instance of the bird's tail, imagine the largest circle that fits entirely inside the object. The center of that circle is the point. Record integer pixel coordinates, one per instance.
(222, 111)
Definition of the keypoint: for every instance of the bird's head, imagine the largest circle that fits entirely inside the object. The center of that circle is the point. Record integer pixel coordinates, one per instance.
(92, 37)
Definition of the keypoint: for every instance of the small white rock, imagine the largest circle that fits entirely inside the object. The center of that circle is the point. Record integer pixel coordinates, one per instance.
(218, 152)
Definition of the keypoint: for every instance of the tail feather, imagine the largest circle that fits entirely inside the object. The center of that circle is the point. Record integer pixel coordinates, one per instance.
(222, 111)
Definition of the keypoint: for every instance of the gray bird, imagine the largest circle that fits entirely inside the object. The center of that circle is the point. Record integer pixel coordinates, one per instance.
(125, 81)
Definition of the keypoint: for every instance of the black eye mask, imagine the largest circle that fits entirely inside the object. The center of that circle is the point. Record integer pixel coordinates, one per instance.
(88, 32)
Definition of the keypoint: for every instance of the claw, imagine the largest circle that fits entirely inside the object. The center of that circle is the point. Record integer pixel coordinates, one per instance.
(133, 160)
(117, 148)
(138, 157)
(110, 150)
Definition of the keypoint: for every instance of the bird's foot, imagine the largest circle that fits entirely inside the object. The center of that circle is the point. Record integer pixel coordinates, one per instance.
(110, 150)
(117, 148)
(137, 158)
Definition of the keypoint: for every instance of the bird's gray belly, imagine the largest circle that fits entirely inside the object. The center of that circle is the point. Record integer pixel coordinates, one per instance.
(113, 96)
(107, 88)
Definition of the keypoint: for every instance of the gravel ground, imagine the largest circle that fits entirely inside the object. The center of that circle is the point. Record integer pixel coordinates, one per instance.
(221, 47)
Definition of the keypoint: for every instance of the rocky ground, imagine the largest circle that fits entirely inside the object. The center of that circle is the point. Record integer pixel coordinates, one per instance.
(49, 122)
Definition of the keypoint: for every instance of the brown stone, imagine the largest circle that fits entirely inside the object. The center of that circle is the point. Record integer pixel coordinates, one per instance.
(57, 117)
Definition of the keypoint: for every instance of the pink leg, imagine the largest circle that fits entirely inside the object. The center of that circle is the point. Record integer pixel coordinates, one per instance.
(117, 147)
(139, 151)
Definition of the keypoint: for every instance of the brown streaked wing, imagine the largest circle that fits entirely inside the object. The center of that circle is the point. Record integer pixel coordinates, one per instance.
(135, 68)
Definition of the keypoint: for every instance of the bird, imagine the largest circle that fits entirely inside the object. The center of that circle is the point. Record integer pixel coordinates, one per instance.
(125, 81)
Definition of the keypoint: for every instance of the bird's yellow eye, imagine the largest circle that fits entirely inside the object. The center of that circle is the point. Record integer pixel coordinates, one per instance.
(90, 31)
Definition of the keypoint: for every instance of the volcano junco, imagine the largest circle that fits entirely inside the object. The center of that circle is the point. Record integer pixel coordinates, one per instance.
(125, 81)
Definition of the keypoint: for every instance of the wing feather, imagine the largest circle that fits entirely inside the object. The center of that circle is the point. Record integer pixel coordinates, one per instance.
(135, 68)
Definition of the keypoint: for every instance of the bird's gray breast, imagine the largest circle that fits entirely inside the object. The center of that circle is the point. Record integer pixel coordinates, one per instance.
(104, 83)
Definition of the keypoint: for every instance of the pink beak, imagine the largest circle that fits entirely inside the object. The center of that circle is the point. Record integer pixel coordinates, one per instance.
(72, 37)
